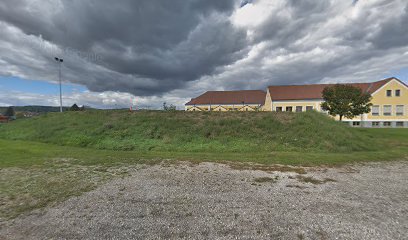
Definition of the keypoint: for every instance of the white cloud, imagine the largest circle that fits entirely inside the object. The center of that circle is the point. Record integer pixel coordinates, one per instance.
(104, 100)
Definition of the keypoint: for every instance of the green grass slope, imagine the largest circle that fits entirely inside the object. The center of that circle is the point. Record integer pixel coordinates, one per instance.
(193, 132)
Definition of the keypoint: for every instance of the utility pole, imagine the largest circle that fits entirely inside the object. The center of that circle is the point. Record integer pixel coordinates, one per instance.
(60, 61)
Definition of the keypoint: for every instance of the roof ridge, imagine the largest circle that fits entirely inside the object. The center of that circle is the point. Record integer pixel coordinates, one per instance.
(236, 91)
(230, 97)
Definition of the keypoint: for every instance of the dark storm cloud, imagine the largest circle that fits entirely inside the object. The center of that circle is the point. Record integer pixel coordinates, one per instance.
(80, 24)
(393, 33)
(165, 43)
(213, 43)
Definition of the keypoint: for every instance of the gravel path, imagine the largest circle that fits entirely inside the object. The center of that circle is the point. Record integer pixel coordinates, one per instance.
(214, 201)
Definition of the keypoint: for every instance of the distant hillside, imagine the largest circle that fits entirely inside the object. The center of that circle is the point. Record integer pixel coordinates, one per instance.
(192, 131)
(36, 109)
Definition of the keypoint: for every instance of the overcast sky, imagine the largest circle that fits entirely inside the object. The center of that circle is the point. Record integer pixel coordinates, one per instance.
(147, 52)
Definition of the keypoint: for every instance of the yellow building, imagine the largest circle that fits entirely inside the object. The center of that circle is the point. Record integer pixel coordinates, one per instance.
(222, 101)
(389, 99)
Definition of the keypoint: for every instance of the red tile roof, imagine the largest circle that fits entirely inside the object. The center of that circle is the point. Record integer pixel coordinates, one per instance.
(229, 97)
(301, 92)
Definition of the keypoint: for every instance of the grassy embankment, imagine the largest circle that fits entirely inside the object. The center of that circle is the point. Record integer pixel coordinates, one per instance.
(47, 159)
(255, 137)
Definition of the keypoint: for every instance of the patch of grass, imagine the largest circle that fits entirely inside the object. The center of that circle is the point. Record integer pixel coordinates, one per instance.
(266, 168)
(314, 180)
(308, 138)
(264, 180)
(25, 189)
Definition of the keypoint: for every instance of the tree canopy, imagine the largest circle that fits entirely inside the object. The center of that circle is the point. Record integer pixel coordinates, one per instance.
(346, 101)
(170, 107)
(74, 108)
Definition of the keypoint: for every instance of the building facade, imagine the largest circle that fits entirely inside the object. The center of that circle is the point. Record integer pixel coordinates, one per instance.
(223, 101)
(389, 99)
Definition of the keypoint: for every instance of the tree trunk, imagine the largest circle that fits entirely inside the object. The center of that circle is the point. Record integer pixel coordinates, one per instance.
(341, 118)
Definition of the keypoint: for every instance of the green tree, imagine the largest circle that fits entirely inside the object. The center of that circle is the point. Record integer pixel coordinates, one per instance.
(346, 101)
(74, 108)
(168, 108)
(10, 112)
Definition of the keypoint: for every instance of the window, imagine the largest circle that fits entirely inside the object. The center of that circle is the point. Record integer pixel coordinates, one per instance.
(387, 124)
(375, 110)
(356, 124)
(279, 109)
(299, 109)
(400, 110)
(389, 93)
(309, 108)
(289, 109)
(397, 93)
(387, 110)
(400, 124)
(375, 124)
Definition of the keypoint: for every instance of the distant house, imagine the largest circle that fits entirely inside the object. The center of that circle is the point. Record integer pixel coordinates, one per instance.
(30, 114)
(222, 101)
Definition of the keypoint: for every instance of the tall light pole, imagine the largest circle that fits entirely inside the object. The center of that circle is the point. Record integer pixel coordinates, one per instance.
(60, 61)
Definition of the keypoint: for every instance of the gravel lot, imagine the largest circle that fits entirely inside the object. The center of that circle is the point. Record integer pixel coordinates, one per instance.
(214, 201)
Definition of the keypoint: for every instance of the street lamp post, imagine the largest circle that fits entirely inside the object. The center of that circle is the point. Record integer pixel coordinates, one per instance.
(60, 61)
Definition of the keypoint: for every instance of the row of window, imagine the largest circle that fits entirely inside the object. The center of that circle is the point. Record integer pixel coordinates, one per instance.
(387, 110)
(397, 93)
(297, 109)
(378, 124)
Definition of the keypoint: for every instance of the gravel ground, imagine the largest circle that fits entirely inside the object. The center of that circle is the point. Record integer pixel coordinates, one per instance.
(214, 201)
